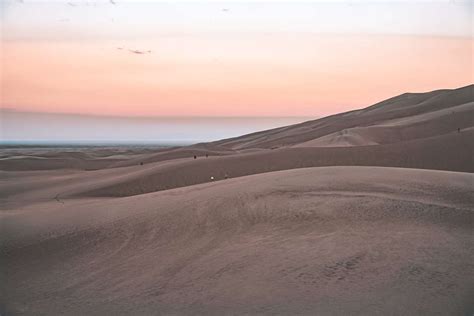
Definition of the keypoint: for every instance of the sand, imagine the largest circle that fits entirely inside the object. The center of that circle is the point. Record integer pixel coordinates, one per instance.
(327, 240)
(444, 111)
(362, 213)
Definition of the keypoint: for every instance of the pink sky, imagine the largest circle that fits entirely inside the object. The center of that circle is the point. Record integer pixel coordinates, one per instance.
(231, 73)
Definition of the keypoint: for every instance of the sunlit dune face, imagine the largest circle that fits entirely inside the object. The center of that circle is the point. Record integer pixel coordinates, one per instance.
(247, 73)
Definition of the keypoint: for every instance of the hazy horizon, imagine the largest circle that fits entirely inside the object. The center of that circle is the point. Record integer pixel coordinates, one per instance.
(35, 127)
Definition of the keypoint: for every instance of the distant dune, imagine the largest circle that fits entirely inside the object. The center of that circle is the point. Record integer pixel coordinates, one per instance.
(406, 117)
(400, 119)
(361, 213)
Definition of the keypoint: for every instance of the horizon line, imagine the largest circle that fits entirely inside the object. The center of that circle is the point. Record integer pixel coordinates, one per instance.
(151, 116)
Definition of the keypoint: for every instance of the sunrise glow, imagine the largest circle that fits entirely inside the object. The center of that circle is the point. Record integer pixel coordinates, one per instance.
(220, 59)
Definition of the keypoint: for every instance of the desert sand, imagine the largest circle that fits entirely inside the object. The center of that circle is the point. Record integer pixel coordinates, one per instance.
(362, 213)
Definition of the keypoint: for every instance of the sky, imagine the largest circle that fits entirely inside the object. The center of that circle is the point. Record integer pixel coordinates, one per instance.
(228, 59)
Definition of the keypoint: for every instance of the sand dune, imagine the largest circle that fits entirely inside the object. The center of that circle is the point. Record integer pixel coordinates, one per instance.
(307, 219)
(407, 128)
(356, 136)
(415, 154)
(453, 104)
(400, 119)
(198, 150)
(448, 152)
(401, 129)
(327, 240)
(79, 157)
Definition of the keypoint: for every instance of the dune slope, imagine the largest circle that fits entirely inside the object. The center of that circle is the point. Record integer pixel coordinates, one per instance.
(328, 240)
(405, 118)
(453, 152)
(448, 152)
(437, 112)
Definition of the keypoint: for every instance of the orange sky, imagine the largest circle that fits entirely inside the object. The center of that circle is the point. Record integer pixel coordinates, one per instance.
(281, 73)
